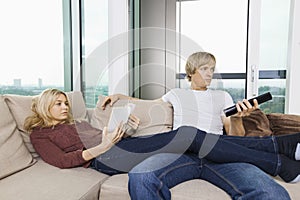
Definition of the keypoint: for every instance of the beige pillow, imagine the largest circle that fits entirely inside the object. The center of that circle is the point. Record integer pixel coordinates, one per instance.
(78, 105)
(14, 155)
(155, 116)
(20, 107)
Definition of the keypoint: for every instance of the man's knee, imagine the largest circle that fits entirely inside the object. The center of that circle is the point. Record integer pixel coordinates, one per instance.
(264, 185)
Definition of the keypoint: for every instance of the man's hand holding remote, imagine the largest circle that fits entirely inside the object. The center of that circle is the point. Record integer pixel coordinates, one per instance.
(244, 108)
(259, 99)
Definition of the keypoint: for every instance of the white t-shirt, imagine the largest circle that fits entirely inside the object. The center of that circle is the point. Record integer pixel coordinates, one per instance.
(200, 109)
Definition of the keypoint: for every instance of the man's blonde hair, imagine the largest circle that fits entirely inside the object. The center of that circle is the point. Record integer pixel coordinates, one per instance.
(40, 107)
(196, 60)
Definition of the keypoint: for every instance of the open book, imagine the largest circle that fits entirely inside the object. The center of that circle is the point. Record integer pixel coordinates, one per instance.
(118, 115)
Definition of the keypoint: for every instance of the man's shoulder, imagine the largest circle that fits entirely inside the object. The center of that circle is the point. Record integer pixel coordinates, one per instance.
(219, 92)
(180, 90)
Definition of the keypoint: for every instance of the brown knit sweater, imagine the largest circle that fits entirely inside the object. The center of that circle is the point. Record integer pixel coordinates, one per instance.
(62, 145)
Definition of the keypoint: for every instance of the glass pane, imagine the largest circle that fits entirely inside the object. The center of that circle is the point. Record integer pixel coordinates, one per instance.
(235, 87)
(274, 36)
(220, 30)
(31, 46)
(94, 49)
(273, 50)
(277, 89)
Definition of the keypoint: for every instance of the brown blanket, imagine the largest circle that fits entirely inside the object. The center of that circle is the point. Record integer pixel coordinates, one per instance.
(257, 124)
(284, 123)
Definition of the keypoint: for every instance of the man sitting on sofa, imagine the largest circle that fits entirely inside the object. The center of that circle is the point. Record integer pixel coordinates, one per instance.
(202, 108)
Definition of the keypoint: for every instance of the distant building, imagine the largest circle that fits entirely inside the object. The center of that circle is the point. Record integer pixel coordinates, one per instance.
(17, 82)
(40, 82)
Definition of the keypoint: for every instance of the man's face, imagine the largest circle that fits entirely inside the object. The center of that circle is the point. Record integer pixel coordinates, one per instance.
(203, 76)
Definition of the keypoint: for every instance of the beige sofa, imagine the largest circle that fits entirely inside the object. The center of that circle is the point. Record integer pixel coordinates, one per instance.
(23, 175)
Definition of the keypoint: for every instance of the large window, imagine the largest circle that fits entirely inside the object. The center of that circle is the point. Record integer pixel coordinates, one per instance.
(94, 34)
(104, 48)
(221, 30)
(250, 49)
(31, 46)
(273, 51)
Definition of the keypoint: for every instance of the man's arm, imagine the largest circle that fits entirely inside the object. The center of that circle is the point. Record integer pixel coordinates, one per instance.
(234, 124)
(111, 99)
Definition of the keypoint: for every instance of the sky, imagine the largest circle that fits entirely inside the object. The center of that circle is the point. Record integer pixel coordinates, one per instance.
(31, 41)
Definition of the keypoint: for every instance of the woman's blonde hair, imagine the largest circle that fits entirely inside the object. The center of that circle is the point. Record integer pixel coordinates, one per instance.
(196, 60)
(40, 107)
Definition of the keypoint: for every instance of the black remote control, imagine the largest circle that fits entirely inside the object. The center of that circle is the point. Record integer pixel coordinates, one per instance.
(260, 99)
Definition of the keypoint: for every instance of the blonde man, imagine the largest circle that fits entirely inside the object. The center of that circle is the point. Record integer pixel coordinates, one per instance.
(202, 108)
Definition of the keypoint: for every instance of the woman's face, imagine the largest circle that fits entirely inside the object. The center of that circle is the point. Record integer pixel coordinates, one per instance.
(202, 77)
(60, 109)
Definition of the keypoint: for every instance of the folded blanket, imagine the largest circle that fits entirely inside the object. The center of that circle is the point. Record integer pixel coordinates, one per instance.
(257, 124)
(284, 123)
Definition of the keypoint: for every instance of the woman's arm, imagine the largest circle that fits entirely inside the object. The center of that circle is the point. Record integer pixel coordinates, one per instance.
(108, 140)
(53, 153)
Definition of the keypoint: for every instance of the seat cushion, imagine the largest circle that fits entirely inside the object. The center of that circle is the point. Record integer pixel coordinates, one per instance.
(115, 187)
(43, 181)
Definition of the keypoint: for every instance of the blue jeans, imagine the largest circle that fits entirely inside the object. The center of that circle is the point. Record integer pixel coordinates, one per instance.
(121, 158)
(152, 178)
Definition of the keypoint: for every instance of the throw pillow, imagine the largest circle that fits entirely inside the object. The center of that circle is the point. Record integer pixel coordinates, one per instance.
(155, 116)
(14, 155)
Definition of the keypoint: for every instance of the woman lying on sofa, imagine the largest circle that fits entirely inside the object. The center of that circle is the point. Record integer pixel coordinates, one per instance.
(54, 135)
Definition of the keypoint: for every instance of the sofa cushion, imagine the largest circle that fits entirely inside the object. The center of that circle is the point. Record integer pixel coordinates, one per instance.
(20, 107)
(14, 155)
(155, 116)
(43, 181)
(116, 187)
(257, 124)
(284, 123)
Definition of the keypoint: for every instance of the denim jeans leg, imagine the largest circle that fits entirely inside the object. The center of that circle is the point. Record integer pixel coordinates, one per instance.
(267, 144)
(131, 151)
(152, 178)
(243, 181)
